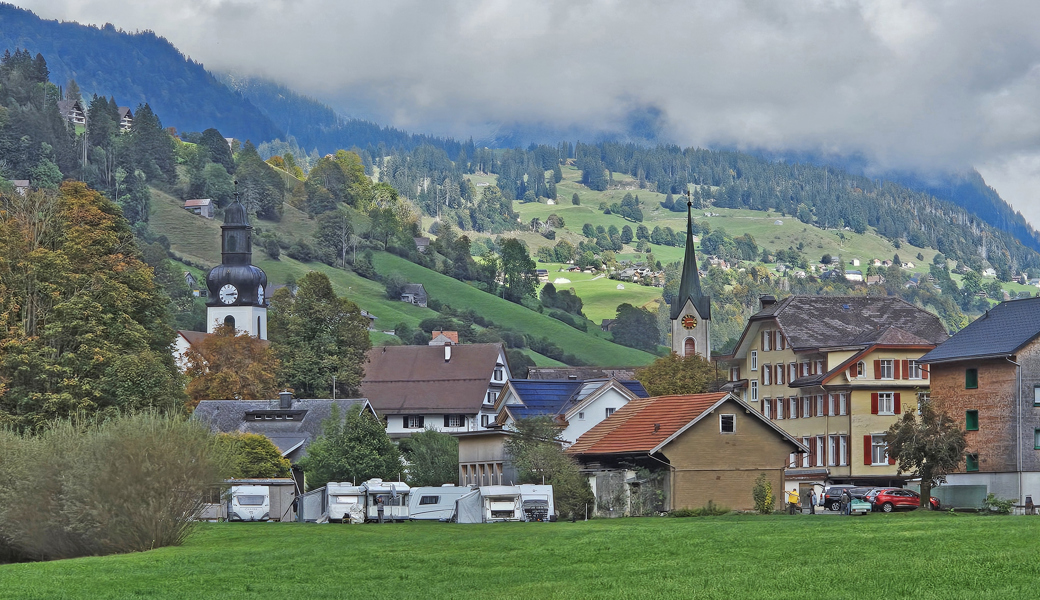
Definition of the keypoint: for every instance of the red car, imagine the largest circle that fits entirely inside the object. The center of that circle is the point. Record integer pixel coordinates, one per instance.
(891, 499)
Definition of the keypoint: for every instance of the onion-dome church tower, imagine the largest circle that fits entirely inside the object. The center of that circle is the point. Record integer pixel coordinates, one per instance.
(691, 310)
(236, 286)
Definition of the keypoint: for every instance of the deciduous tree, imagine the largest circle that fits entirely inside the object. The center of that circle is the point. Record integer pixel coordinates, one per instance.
(433, 458)
(536, 448)
(251, 455)
(355, 448)
(229, 365)
(928, 446)
(674, 374)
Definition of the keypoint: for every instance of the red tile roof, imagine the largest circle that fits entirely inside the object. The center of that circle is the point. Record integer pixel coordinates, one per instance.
(643, 424)
(451, 335)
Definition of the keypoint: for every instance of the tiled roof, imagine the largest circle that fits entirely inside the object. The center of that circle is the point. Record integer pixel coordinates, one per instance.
(1001, 331)
(197, 202)
(643, 424)
(451, 335)
(834, 321)
(193, 338)
(416, 379)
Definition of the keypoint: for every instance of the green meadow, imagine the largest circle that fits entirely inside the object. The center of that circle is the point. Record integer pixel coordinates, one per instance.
(921, 556)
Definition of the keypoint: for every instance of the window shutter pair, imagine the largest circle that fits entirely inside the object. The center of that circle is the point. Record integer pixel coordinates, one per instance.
(877, 369)
(866, 441)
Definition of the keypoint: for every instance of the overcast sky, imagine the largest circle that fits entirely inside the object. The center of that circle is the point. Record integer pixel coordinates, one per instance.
(926, 85)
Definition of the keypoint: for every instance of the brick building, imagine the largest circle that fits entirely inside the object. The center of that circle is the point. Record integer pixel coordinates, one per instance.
(987, 377)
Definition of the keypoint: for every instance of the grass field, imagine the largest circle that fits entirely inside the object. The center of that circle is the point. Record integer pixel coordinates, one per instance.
(875, 556)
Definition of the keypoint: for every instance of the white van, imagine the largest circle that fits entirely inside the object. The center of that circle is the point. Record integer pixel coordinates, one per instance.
(434, 503)
(395, 499)
(346, 502)
(249, 503)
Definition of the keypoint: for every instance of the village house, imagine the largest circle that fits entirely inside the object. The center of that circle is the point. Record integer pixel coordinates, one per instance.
(73, 112)
(422, 243)
(126, 118)
(21, 186)
(835, 372)
(451, 388)
(577, 405)
(671, 452)
(444, 338)
(414, 293)
(200, 206)
(987, 377)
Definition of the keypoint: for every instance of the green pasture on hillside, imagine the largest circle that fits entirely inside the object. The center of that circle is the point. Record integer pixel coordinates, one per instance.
(592, 349)
(599, 293)
(920, 556)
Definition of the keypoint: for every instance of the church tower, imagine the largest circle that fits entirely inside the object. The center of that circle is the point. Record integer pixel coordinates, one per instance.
(691, 310)
(236, 287)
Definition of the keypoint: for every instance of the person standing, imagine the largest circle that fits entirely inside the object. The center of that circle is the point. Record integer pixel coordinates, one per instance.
(812, 501)
(379, 508)
(846, 502)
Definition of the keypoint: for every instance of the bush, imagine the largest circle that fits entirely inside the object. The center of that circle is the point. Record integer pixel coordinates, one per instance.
(763, 495)
(129, 484)
(708, 510)
(1000, 506)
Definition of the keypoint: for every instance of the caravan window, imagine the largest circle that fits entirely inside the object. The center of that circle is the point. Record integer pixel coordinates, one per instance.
(250, 500)
(345, 499)
(429, 500)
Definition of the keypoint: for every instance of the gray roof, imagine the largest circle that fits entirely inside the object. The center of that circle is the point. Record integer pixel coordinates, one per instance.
(291, 435)
(1002, 331)
(837, 321)
(581, 373)
(413, 288)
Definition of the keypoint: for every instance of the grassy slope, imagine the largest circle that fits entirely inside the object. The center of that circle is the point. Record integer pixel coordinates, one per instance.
(460, 296)
(884, 556)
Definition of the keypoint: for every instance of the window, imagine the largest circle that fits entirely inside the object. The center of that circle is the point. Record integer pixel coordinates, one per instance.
(792, 371)
(819, 451)
(832, 450)
(767, 375)
(734, 373)
(971, 379)
(913, 370)
(1036, 395)
(819, 405)
(780, 374)
(971, 420)
(781, 343)
(250, 500)
(499, 374)
(767, 408)
(1036, 439)
(819, 367)
(754, 360)
(610, 411)
(485, 420)
(922, 397)
(861, 369)
(754, 390)
(454, 421)
(767, 341)
(779, 408)
(886, 404)
(887, 370)
(727, 423)
(843, 450)
(581, 416)
(832, 405)
(804, 368)
(971, 461)
(843, 403)
(807, 406)
(424, 500)
(805, 457)
(491, 397)
(413, 422)
(878, 450)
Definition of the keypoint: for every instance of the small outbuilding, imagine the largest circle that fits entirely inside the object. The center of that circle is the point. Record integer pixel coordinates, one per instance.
(200, 206)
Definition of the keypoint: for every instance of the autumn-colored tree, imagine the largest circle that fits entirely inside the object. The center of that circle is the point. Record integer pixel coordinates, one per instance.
(317, 336)
(83, 327)
(674, 374)
(226, 365)
(251, 455)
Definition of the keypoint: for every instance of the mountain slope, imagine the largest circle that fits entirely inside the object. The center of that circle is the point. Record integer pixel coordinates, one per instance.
(135, 68)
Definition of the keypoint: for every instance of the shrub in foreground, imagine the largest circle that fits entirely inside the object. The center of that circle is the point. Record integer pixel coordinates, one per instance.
(708, 510)
(128, 484)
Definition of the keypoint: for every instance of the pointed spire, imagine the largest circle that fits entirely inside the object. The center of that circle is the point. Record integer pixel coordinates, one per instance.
(690, 284)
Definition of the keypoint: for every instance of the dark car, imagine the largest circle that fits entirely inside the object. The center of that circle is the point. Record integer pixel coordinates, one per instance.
(888, 500)
(832, 495)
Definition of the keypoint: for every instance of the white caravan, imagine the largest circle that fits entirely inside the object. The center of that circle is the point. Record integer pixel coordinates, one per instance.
(501, 503)
(537, 502)
(346, 502)
(395, 499)
(434, 503)
(249, 503)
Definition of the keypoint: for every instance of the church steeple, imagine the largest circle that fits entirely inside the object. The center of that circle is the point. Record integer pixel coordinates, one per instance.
(690, 284)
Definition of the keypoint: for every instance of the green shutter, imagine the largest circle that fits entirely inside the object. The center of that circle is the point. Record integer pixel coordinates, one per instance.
(971, 420)
(972, 462)
(971, 379)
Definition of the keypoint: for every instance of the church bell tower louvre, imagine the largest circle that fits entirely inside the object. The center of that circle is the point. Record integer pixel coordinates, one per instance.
(237, 288)
(691, 309)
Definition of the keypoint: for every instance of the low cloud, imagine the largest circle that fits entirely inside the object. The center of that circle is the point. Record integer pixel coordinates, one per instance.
(909, 84)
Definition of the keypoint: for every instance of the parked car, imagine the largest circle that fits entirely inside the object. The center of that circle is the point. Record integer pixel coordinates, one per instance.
(869, 496)
(832, 495)
(890, 499)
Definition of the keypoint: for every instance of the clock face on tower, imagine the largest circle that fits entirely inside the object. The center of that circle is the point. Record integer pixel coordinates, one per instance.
(689, 321)
(228, 294)
(259, 294)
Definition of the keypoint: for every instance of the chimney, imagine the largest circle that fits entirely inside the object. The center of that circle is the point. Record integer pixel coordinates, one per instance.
(767, 300)
(447, 352)
(285, 400)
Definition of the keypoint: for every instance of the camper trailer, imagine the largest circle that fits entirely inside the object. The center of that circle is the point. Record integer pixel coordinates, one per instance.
(395, 499)
(434, 503)
(249, 503)
(536, 502)
(346, 502)
(501, 503)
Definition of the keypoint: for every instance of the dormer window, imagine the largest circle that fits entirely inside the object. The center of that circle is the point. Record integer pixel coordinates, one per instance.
(491, 397)
(500, 374)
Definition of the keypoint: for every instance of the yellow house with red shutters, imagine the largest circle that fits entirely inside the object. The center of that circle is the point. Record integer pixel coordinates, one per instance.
(835, 372)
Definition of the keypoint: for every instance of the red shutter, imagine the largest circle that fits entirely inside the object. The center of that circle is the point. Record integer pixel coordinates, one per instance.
(877, 370)
(866, 447)
(849, 373)
(895, 368)
(898, 408)
(812, 451)
(891, 460)
(873, 403)
(906, 369)
(924, 371)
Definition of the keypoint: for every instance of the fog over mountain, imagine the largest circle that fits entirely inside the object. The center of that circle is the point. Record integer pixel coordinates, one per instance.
(905, 84)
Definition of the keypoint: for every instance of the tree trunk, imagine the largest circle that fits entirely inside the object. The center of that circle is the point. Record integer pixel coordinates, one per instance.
(926, 494)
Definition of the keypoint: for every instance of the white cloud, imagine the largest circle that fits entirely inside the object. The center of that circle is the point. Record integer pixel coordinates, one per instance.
(906, 83)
